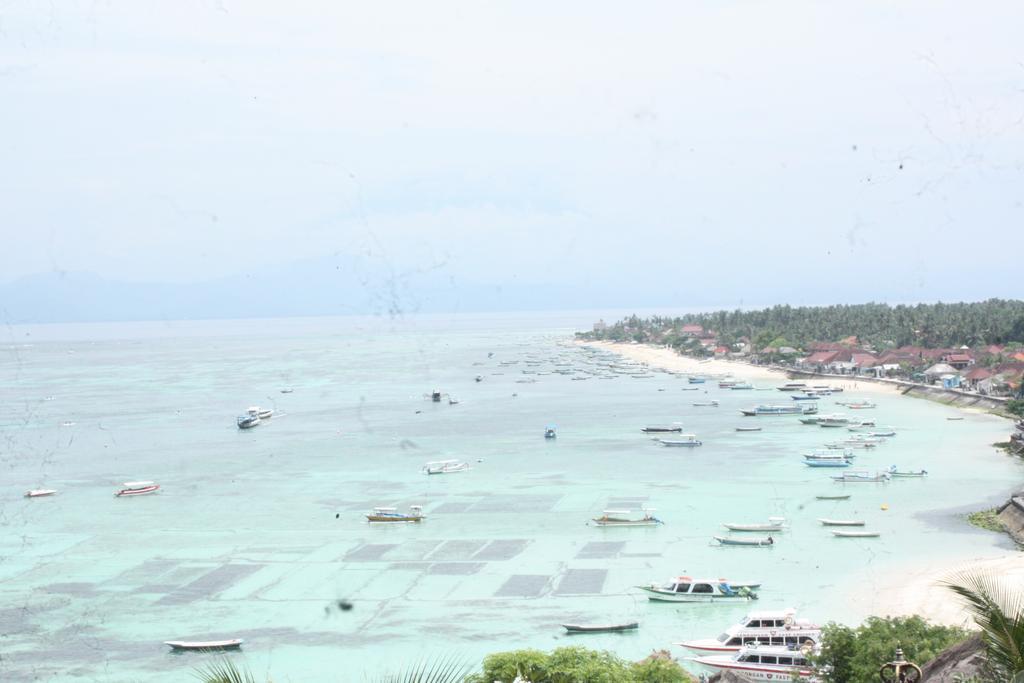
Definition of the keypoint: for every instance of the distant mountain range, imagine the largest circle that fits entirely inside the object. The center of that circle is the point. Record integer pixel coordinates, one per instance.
(335, 286)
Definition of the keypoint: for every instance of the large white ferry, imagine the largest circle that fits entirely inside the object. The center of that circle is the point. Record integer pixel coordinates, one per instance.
(778, 627)
(760, 663)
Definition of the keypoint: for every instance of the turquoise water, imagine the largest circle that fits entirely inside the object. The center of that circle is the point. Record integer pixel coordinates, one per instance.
(259, 534)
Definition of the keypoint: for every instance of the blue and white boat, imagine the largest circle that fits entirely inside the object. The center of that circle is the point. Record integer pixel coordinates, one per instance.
(838, 462)
(696, 380)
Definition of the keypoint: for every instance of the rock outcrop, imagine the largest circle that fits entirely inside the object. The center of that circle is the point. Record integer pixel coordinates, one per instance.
(956, 663)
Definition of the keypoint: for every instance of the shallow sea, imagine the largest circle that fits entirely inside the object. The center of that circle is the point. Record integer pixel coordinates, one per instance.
(260, 534)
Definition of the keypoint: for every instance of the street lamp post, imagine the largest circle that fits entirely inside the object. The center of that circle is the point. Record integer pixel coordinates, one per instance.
(899, 670)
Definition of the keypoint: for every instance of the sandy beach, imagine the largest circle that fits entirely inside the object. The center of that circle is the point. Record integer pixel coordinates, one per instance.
(917, 589)
(760, 376)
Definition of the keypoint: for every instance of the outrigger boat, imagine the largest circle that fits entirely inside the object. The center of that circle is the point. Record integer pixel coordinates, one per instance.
(828, 462)
(444, 467)
(877, 477)
(748, 429)
(774, 524)
(40, 493)
(759, 663)
(621, 518)
(661, 430)
(841, 522)
(382, 514)
(843, 497)
(601, 628)
(137, 488)
(765, 542)
(685, 440)
(833, 420)
(893, 472)
(205, 645)
(779, 628)
(790, 409)
(856, 534)
(687, 589)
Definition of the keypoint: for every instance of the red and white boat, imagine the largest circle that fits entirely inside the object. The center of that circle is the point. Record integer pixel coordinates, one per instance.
(40, 493)
(138, 488)
(760, 663)
(776, 627)
(232, 644)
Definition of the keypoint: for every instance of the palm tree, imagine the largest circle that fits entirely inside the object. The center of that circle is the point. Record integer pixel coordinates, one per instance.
(999, 613)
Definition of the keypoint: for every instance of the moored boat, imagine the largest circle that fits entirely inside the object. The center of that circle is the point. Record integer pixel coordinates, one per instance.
(833, 420)
(390, 514)
(791, 409)
(761, 663)
(661, 429)
(706, 404)
(767, 542)
(683, 440)
(841, 522)
(688, 589)
(828, 462)
(696, 380)
(893, 472)
(742, 386)
(205, 645)
(622, 518)
(138, 488)
(444, 467)
(601, 628)
(748, 429)
(550, 433)
(780, 628)
(773, 524)
(40, 493)
(843, 497)
(793, 386)
(855, 477)
(856, 534)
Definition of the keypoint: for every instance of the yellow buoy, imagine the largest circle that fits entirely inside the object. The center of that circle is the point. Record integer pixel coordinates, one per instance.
(885, 506)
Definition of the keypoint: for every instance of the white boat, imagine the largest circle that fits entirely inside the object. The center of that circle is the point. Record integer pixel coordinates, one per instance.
(840, 522)
(833, 420)
(830, 454)
(856, 534)
(760, 663)
(766, 542)
(444, 467)
(389, 514)
(261, 413)
(861, 405)
(780, 628)
(790, 409)
(137, 488)
(793, 386)
(623, 518)
(204, 645)
(748, 429)
(688, 589)
(878, 477)
(706, 404)
(773, 524)
(40, 493)
(661, 429)
(684, 440)
(882, 434)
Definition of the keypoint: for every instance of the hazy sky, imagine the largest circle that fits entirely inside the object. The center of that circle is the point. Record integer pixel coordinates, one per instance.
(755, 143)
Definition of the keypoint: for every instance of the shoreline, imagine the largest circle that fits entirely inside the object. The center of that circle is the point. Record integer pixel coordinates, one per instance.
(915, 590)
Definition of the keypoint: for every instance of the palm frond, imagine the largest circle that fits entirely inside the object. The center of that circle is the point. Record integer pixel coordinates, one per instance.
(999, 613)
(431, 670)
(223, 671)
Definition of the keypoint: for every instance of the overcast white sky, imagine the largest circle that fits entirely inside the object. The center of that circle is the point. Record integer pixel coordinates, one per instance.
(520, 141)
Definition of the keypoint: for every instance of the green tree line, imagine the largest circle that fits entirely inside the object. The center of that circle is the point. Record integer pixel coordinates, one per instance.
(996, 321)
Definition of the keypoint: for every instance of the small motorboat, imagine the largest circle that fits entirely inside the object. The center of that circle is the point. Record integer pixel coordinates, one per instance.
(685, 440)
(137, 488)
(550, 433)
(40, 493)
(478, 378)
(887, 433)
(748, 429)
(841, 522)
(261, 413)
(247, 421)
(827, 462)
(622, 518)
(812, 420)
(768, 541)
(452, 401)
(774, 524)
(954, 419)
(386, 514)
(287, 390)
(661, 430)
(703, 404)
(204, 645)
(687, 589)
(844, 497)
(862, 477)
(893, 472)
(856, 534)
(601, 628)
(444, 467)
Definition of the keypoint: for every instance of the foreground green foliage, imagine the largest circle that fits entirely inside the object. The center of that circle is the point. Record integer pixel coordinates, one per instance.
(1015, 407)
(223, 671)
(853, 655)
(999, 613)
(986, 519)
(931, 325)
(577, 664)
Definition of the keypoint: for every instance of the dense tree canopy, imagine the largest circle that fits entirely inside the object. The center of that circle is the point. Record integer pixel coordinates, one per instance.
(995, 321)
